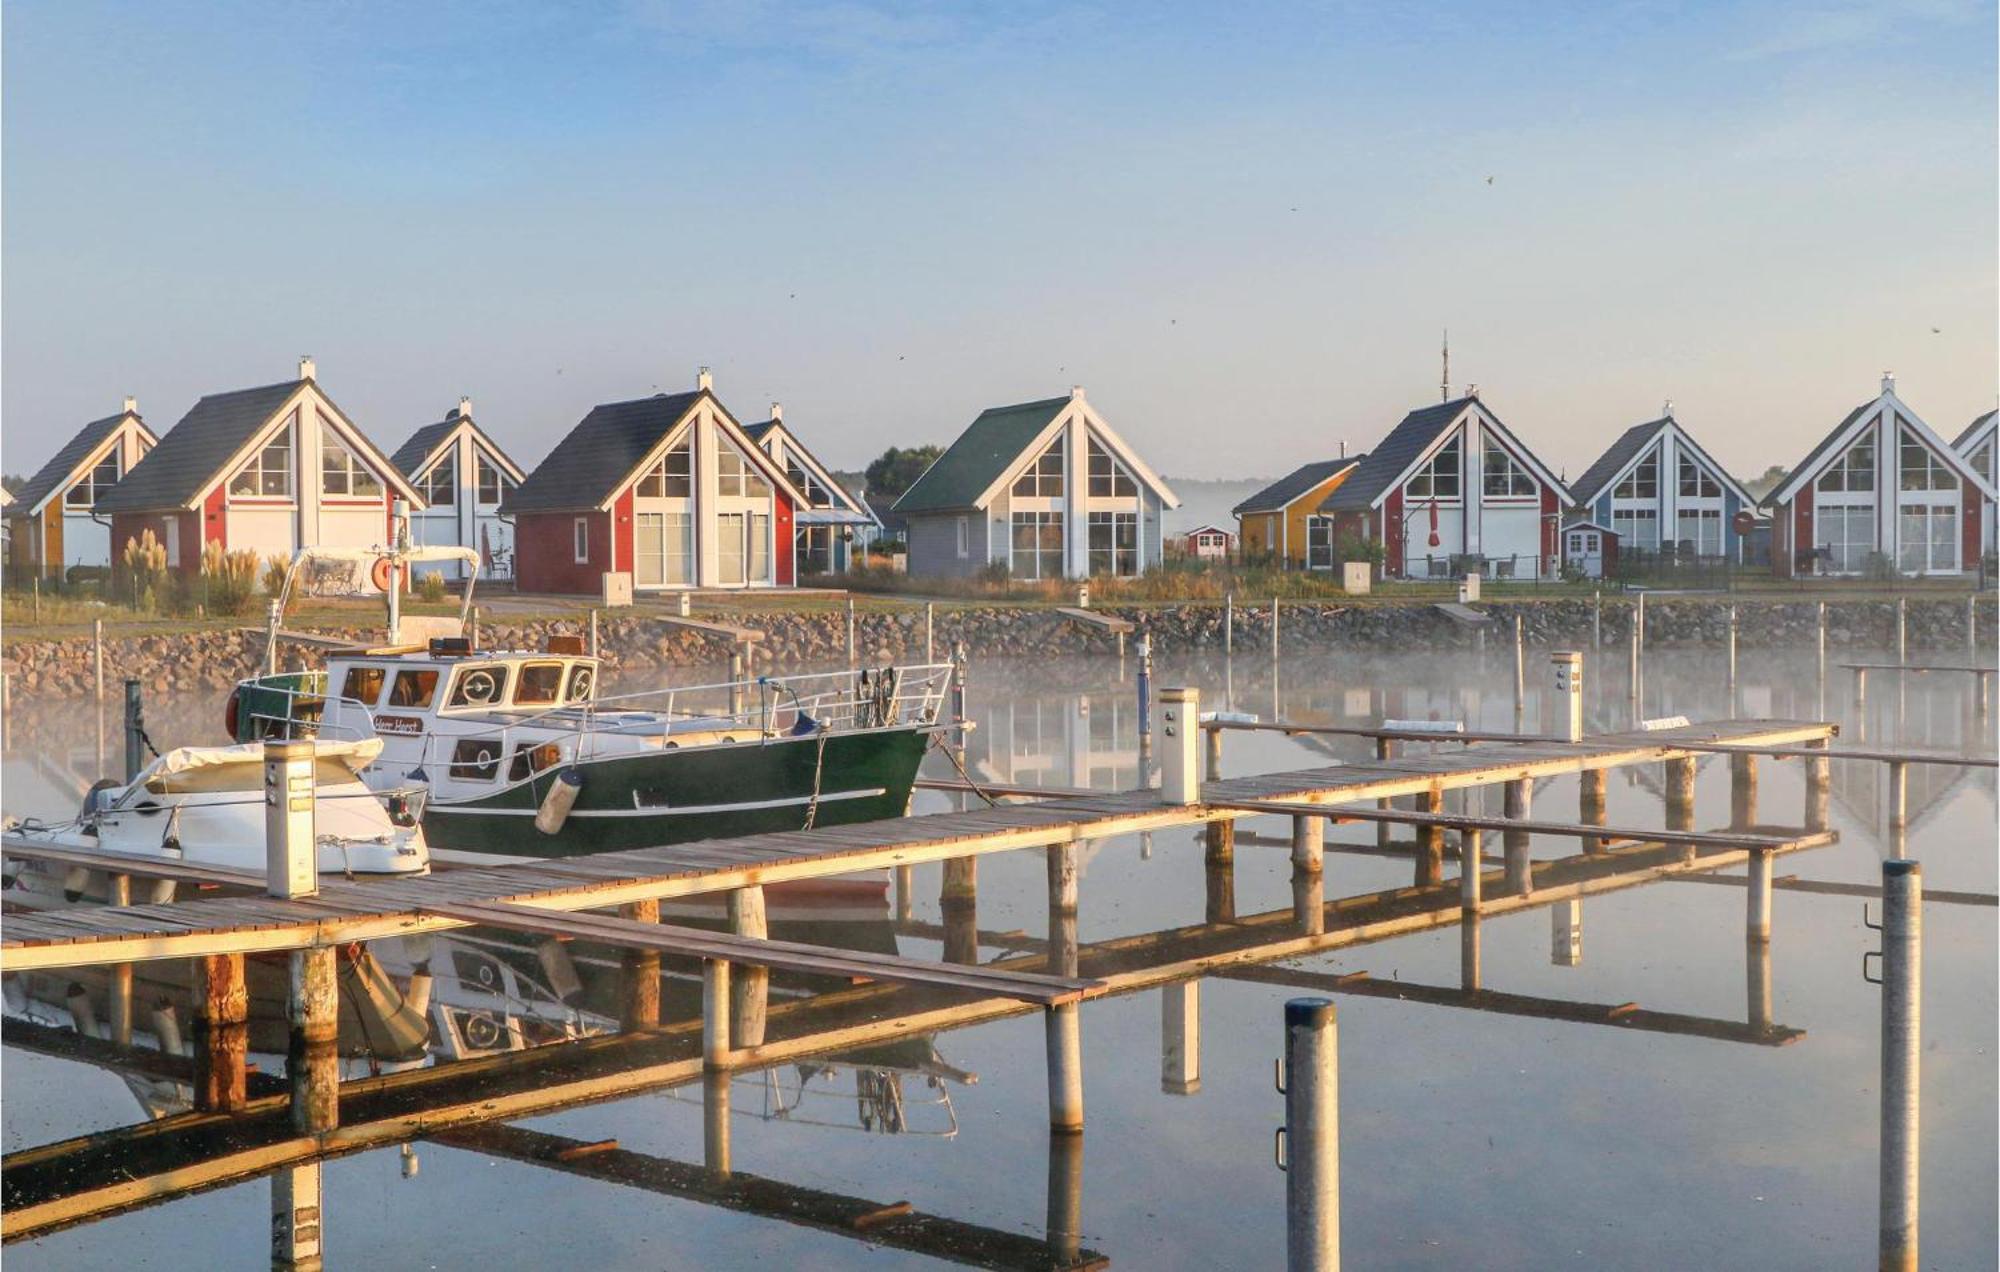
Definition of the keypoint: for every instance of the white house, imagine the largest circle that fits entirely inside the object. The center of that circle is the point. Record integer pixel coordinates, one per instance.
(1046, 489)
(1977, 446)
(1880, 491)
(832, 524)
(55, 523)
(463, 476)
(271, 469)
(1662, 493)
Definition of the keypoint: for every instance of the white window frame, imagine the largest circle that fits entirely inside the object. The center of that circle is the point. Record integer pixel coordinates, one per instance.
(964, 538)
(579, 531)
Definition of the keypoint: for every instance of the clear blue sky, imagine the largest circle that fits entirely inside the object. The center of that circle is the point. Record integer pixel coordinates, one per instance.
(1241, 227)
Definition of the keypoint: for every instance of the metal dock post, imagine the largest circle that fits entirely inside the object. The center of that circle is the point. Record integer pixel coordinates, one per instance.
(1180, 1037)
(1902, 1043)
(1310, 1080)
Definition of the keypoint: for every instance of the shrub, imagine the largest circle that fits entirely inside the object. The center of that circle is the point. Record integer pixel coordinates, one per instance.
(430, 587)
(145, 561)
(228, 579)
(276, 566)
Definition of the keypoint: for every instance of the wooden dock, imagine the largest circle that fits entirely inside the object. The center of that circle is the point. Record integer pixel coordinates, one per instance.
(1108, 622)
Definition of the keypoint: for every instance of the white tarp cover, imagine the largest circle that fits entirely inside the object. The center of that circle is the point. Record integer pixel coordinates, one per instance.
(241, 767)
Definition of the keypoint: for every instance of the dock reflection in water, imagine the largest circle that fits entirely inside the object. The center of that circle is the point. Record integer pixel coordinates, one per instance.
(1661, 959)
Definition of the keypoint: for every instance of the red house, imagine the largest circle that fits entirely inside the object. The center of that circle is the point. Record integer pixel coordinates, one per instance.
(668, 489)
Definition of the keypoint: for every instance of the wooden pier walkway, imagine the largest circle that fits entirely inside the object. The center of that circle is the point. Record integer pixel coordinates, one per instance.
(343, 913)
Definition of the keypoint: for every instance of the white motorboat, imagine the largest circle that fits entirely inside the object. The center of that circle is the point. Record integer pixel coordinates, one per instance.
(205, 805)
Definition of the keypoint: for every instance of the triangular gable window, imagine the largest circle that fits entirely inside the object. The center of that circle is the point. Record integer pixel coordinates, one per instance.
(1695, 481)
(1920, 468)
(269, 472)
(1643, 482)
(1855, 469)
(439, 484)
(1505, 477)
(1043, 478)
(671, 478)
(1439, 477)
(341, 471)
(1982, 459)
(1108, 478)
(493, 484)
(103, 475)
(736, 475)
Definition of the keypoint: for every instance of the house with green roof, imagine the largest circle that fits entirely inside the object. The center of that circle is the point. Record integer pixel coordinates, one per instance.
(1045, 489)
(53, 525)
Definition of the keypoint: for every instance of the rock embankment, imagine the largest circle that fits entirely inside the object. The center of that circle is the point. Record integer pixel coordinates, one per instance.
(192, 661)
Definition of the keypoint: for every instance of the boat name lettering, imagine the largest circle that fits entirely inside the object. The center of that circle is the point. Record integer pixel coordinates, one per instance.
(401, 726)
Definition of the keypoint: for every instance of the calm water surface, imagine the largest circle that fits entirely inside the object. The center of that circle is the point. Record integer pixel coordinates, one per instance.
(1468, 1137)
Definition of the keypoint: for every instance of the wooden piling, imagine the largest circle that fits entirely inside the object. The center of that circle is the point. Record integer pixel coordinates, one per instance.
(958, 900)
(1519, 806)
(118, 891)
(1308, 843)
(97, 655)
(1819, 786)
(1219, 890)
(297, 1224)
(1062, 1025)
(906, 886)
(1742, 791)
(1757, 917)
(639, 974)
(221, 1033)
(1385, 750)
(1064, 1228)
(1180, 1037)
(1220, 835)
(715, 1040)
(1213, 743)
(1062, 859)
(750, 987)
(1591, 804)
(1680, 795)
(1469, 867)
(1430, 840)
(1468, 954)
(1309, 901)
(715, 1149)
(312, 1065)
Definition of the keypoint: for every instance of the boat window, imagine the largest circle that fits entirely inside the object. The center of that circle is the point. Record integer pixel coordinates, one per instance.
(476, 759)
(582, 682)
(363, 685)
(539, 684)
(479, 686)
(530, 759)
(414, 687)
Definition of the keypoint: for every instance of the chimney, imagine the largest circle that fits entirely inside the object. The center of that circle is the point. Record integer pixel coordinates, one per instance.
(1076, 392)
(305, 366)
(703, 380)
(1472, 391)
(464, 411)
(1343, 448)
(1667, 408)
(1888, 382)
(778, 411)
(131, 405)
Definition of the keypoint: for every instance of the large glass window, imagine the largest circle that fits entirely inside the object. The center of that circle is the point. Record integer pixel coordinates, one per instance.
(1982, 460)
(1439, 477)
(493, 484)
(1854, 470)
(1921, 469)
(103, 475)
(439, 484)
(735, 475)
(1699, 532)
(1043, 478)
(671, 478)
(1319, 543)
(1643, 482)
(1108, 478)
(1037, 545)
(1848, 535)
(1926, 537)
(341, 472)
(1638, 529)
(1505, 477)
(729, 529)
(269, 472)
(1696, 481)
(1114, 543)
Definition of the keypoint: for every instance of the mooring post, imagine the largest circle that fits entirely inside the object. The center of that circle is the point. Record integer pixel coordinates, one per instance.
(1597, 618)
(1902, 630)
(1311, 1083)
(1229, 623)
(1819, 785)
(221, 1033)
(1145, 689)
(97, 655)
(715, 1039)
(135, 731)
(1430, 839)
(1061, 860)
(1899, 807)
(1180, 1037)
(1819, 645)
(715, 1154)
(1735, 708)
(1520, 797)
(1469, 867)
(850, 633)
(1308, 843)
(312, 1065)
(1902, 1043)
(291, 851)
(1757, 986)
(1062, 1025)
(958, 902)
(1972, 628)
(1274, 639)
(906, 887)
(958, 688)
(1213, 740)
(1757, 909)
(1566, 933)
(930, 632)
(1591, 805)
(1520, 674)
(1468, 953)
(1632, 670)
(639, 974)
(593, 633)
(1219, 892)
(1385, 750)
(1309, 901)
(1065, 1209)
(1742, 791)
(736, 702)
(1180, 721)
(296, 1219)
(1680, 793)
(750, 988)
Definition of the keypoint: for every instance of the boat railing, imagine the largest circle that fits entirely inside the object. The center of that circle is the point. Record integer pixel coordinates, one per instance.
(303, 712)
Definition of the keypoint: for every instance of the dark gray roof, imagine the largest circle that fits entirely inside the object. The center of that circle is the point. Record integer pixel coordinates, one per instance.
(1972, 430)
(757, 430)
(599, 454)
(982, 452)
(1393, 454)
(191, 456)
(885, 512)
(1608, 465)
(56, 474)
(410, 456)
(1810, 464)
(1281, 493)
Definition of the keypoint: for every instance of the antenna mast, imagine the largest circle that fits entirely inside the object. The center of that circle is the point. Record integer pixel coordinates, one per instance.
(1444, 384)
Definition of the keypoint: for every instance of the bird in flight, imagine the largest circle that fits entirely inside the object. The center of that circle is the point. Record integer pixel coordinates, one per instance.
(1489, 181)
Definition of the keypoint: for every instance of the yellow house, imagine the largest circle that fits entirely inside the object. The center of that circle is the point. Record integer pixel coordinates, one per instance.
(1282, 521)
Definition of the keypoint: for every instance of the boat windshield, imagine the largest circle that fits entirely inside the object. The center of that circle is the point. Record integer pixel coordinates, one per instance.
(540, 684)
(363, 684)
(479, 686)
(414, 687)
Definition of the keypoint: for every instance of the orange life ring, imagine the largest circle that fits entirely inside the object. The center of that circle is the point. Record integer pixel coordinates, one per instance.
(380, 573)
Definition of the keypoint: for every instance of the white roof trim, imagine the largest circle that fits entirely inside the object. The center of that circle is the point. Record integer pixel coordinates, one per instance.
(732, 431)
(810, 461)
(351, 435)
(1866, 418)
(115, 437)
(1078, 409)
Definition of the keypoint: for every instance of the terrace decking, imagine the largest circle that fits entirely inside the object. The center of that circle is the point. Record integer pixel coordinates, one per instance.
(360, 912)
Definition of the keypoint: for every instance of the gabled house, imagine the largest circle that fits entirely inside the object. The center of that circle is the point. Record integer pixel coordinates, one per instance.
(1661, 493)
(271, 469)
(1976, 445)
(833, 524)
(1451, 482)
(1208, 543)
(463, 476)
(54, 523)
(1283, 520)
(1881, 491)
(1045, 489)
(668, 489)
